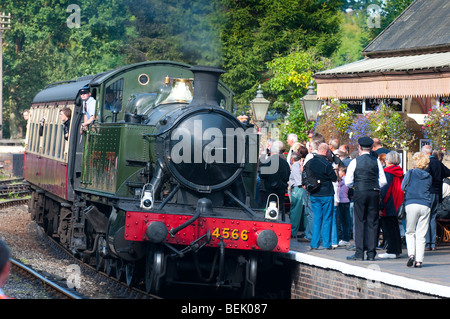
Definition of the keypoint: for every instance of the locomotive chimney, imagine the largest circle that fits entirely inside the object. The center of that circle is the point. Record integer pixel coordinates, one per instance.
(205, 85)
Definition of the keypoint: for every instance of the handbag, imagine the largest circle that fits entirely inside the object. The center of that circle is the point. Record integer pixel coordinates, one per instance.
(401, 210)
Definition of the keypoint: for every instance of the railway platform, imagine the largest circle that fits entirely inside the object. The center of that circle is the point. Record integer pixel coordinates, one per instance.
(382, 278)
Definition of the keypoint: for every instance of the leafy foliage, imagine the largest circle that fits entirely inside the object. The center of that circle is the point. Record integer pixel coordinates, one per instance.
(40, 48)
(259, 31)
(290, 77)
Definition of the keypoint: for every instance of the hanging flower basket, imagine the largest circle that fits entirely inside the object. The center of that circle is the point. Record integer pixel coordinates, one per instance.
(436, 127)
(338, 121)
(392, 130)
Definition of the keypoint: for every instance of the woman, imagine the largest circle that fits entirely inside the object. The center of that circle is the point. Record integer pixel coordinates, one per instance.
(416, 185)
(391, 199)
(296, 190)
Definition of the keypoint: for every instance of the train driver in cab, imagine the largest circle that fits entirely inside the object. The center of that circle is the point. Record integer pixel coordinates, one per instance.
(88, 108)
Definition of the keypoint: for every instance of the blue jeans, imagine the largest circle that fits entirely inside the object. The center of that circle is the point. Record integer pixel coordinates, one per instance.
(334, 226)
(322, 208)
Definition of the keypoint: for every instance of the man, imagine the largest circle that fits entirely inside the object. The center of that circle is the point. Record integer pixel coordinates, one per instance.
(322, 201)
(378, 148)
(110, 100)
(275, 174)
(26, 115)
(438, 172)
(334, 145)
(345, 154)
(365, 173)
(88, 108)
(5, 266)
(291, 140)
(313, 145)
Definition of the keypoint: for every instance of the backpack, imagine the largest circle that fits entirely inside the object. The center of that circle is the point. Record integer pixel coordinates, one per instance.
(311, 183)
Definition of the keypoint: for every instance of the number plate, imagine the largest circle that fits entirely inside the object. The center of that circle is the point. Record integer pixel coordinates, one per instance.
(235, 234)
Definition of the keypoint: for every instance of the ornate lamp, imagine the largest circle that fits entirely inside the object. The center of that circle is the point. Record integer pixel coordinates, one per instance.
(310, 104)
(259, 106)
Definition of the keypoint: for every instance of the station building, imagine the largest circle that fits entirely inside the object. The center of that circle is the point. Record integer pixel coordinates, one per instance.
(407, 64)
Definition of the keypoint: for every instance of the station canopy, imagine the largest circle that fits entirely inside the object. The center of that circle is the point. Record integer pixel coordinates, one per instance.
(424, 75)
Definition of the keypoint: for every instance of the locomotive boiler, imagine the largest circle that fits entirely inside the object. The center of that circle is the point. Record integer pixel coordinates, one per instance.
(160, 189)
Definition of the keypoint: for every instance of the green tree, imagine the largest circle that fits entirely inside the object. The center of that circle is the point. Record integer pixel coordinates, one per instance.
(40, 48)
(257, 31)
(290, 77)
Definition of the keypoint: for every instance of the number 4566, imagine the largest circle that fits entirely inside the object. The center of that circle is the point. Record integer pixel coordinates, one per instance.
(228, 233)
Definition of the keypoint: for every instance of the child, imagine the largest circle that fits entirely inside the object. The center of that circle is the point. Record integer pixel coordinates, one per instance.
(343, 207)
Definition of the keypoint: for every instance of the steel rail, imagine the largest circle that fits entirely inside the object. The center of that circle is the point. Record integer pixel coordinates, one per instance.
(44, 280)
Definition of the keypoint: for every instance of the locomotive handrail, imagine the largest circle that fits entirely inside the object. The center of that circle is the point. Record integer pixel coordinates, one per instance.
(197, 214)
(174, 191)
(250, 212)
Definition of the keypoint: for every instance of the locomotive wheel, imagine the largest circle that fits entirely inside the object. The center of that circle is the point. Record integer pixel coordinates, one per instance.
(109, 266)
(130, 273)
(99, 254)
(120, 269)
(251, 271)
(154, 267)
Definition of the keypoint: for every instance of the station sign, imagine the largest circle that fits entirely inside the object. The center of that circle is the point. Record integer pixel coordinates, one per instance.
(368, 105)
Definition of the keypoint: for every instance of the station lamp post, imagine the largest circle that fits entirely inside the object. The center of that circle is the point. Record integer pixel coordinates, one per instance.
(260, 106)
(310, 104)
(5, 24)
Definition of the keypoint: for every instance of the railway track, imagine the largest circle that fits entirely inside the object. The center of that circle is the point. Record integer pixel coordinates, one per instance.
(122, 290)
(51, 285)
(14, 192)
(118, 289)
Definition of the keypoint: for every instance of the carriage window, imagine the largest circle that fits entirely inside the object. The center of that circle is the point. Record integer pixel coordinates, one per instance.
(114, 96)
(59, 141)
(49, 138)
(44, 140)
(31, 144)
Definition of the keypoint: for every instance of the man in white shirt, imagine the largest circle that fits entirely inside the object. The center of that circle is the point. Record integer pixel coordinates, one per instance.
(88, 108)
(291, 140)
(365, 173)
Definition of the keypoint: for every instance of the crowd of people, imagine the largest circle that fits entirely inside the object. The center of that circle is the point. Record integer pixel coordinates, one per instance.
(359, 196)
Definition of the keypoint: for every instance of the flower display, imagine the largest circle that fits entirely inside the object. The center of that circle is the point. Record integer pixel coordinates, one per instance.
(336, 120)
(359, 128)
(389, 126)
(436, 126)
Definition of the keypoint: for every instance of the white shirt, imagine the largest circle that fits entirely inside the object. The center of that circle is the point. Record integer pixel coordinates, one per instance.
(90, 107)
(351, 171)
(309, 156)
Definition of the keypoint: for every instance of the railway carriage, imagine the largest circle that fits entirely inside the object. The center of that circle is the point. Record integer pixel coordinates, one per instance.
(160, 188)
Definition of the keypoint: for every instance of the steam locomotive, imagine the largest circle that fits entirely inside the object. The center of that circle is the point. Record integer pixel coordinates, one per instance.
(160, 189)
